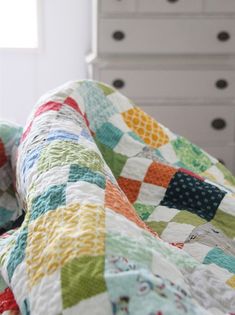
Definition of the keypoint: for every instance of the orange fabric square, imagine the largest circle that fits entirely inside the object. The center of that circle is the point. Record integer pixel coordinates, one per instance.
(159, 174)
(130, 187)
(116, 200)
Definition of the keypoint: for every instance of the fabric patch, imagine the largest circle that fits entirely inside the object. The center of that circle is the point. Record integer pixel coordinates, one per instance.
(98, 107)
(82, 278)
(62, 135)
(225, 222)
(116, 200)
(107, 90)
(157, 227)
(63, 153)
(136, 168)
(130, 187)
(145, 127)
(218, 257)
(78, 173)
(109, 135)
(114, 160)
(188, 218)
(159, 174)
(48, 106)
(17, 254)
(62, 235)
(231, 282)
(191, 157)
(3, 158)
(53, 198)
(188, 193)
(143, 210)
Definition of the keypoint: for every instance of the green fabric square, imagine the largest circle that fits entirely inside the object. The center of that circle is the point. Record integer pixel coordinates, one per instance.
(78, 173)
(225, 222)
(187, 217)
(109, 135)
(217, 256)
(227, 174)
(158, 227)
(114, 160)
(51, 199)
(107, 90)
(143, 210)
(82, 278)
(61, 153)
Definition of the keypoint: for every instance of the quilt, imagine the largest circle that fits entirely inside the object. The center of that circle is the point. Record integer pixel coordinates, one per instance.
(122, 216)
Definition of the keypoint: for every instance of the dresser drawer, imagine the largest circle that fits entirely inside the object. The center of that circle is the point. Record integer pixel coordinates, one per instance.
(219, 6)
(117, 6)
(171, 84)
(200, 124)
(166, 36)
(225, 154)
(166, 6)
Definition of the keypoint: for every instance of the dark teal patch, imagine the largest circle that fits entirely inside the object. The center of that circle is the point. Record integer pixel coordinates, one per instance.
(78, 173)
(109, 135)
(220, 258)
(18, 253)
(50, 200)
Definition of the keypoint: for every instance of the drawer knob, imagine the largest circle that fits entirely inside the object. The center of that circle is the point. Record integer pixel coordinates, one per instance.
(218, 123)
(172, 1)
(118, 83)
(223, 36)
(118, 35)
(221, 84)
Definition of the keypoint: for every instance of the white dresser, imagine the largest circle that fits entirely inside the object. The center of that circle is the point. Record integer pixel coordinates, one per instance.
(176, 60)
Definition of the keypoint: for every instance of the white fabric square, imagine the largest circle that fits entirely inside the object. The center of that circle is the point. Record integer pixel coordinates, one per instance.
(49, 290)
(84, 192)
(227, 204)
(96, 305)
(121, 102)
(168, 153)
(118, 122)
(176, 232)
(19, 282)
(162, 213)
(197, 250)
(128, 146)
(151, 194)
(136, 168)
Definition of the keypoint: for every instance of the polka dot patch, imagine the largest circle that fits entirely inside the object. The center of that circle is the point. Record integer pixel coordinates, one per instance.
(186, 192)
(145, 127)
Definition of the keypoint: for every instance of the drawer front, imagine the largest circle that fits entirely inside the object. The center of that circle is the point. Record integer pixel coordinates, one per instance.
(197, 123)
(219, 6)
(166, 6)
(166, 36)
(225, 154)
(176, 84)
(117, 6)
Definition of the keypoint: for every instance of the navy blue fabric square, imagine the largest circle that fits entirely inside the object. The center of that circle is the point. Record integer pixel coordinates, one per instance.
(186, 192)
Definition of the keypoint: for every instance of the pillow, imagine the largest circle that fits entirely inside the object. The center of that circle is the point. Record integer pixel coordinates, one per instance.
(9, 208)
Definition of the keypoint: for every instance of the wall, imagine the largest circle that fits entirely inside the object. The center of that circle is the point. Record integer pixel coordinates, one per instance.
(65, 40)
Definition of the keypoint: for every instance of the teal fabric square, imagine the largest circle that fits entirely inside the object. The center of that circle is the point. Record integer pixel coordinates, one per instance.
(220, 258)
(109, 135)
(78, 173)
(18, 253)
(51, 199)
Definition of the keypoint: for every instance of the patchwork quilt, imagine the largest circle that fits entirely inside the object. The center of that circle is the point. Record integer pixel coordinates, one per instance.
(122, 216)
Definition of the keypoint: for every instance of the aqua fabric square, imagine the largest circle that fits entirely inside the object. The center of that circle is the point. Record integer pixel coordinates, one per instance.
(186, 192)
(220, 258)
(18, 253)
(51, 199)
(78, 173)
(109, 135)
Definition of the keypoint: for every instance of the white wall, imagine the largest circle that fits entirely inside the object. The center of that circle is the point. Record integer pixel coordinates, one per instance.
(65, 40)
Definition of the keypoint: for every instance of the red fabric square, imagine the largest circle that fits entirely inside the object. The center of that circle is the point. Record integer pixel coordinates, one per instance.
(3, 158)
(72, 103)
(192, 174)
(48, 106)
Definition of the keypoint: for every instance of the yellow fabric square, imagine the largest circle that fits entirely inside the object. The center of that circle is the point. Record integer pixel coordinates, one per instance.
(61, 235)
(231, 282)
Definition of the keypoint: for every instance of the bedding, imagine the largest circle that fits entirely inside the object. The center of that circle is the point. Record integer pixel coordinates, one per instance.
(9, 208)
(122, 215)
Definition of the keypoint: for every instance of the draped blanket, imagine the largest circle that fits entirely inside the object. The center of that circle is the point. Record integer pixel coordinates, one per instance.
(122, 215)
